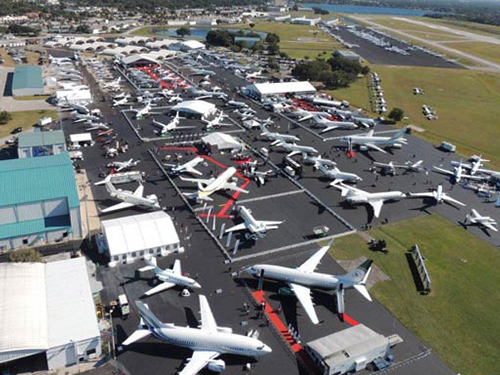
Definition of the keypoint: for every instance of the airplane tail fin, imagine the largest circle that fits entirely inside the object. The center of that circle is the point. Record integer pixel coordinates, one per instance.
(358, 277)
(400, 133)
(150, 320)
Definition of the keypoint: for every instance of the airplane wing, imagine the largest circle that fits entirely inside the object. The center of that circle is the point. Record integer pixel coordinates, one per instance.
(377, 207)
(306, 117)
(449, 199)
(177, 267)
(117, 207)
(159, 288)
(203, 181)
(470, 177)
(236, 228)
(327, 129)
(421, 195)
(374, 147)
(198, 361)
(270, 224)
(303, 294)
(193, 171)
(311, 264)
(232, 186)
(207, 318)
(139, 191)
(444, 171)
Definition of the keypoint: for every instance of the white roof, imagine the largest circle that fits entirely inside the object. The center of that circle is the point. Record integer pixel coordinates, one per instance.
(80, 137)
(193, 44)
(74, 94)
(222, 141)
(45, 305)
(140, 56)
(269, 88)
(139, 232)
(160, 43)
(201, 107)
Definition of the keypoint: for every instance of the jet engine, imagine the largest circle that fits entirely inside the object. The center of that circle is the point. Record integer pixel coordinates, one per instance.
(224, 329)
(217, 365)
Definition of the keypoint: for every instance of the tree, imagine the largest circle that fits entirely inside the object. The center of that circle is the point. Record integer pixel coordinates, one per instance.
(396, 114)
(183, 31)
(83, 29)
(5, 117)
(29, 255)
(252, 25)
(272, 38)
(273, 49)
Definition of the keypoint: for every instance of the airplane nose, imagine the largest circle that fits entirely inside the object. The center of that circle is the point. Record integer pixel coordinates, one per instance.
(197, 286)
(267, 349)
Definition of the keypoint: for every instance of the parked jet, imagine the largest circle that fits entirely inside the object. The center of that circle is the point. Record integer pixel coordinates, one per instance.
(303, 115)
(112, 84)
(458, 173)
(484, 221)
(337, 175)
(175, 99)
(277, 137)
(438, 195)
(207, 187)
(369, 141)
(83, 118)
(171, 126)
(203, 94)
(98, 126)
(304, 278)
(121, 101)
(144, 111)
(408, 166)
(363, 121)
(375, 200)
(216, 122)
(70, 106)
(259, 177)
(236, 104)
(329, 125)
(208, 342)
(476, 162)
(130, 198)
(168, 277)
(295, 149)
(316, 160)
(188, 167)
(202, 72)
(253, 75)
(256, 228)
(121, 165)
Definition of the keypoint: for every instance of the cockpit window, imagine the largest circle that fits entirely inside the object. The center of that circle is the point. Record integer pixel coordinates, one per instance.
(260, 347)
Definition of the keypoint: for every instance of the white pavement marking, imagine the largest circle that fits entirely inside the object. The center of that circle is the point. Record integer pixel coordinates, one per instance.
(240, 201)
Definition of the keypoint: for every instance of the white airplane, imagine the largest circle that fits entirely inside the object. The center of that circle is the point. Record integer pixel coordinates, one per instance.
(168, 277)
(120, 95)
(258, 176)
(144, 111)
(375, 200)
(257, 228)
(216, 122)
(277, 137)
(130, 198)
(208, 342)
(98, 126)
(304, 278)
(438, 195)
(121, 165)
(77, 118)
(474, 166)
(458, 173)
(112, 84)
(316, 160)
(408, 166)
(81, 109)
(369, 141)
(484, 221)
(60, 60)
(207, 187)
(121, 101)
(295, 149)
(329, 125)
(188, 167)
(303, 115)
(171, 126)
(203, 94)
(175, 99)
(336, 174)
(234, 103)
(363, 121)
(254, 74)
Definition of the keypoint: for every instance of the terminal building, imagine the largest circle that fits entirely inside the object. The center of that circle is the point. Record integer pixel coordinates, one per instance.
(131, 238)
(48, 315)
(261, 90)
(350, 350)
(35, 144)
(38, 201)
(27, 81)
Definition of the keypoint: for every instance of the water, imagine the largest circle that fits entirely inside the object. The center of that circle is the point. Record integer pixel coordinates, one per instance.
(202, 33)
(362, 9)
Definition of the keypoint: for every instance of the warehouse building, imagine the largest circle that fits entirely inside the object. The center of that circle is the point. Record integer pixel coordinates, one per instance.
(350, 350)
(138, 60)
(260, 90)
(35, 144)
(132, 238)
(47, 309)
(199, 109)
(349, 55)
(38, 201)
(305, 21)
(27, 81)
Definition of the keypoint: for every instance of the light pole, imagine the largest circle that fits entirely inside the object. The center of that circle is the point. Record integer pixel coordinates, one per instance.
(112, 332)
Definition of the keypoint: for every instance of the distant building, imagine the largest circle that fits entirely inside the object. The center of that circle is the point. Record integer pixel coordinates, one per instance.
(194, 109)
(305, 21)
(349, 55)
(187, 45)
(47, 310)
(38, 201)
(220, 142)
(40, 144)
(260, 90)
(27, 81)
(350, 350)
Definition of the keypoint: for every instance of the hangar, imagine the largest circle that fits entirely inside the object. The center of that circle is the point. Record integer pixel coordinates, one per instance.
(132, 238)
(27, 80)
(217, 142)
(48, 309)
(195, 109)
(40, 144)
(259, 90)
(38, 201)
(140, 59)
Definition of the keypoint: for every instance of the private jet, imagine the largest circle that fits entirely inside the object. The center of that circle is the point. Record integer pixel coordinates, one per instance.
(369, 141)
(256, 228)
(295, 149)
(173, 125)
(122, 165)
(129, 198)
(188, 167)
(438, 195)
(277, 137)
(483, 221)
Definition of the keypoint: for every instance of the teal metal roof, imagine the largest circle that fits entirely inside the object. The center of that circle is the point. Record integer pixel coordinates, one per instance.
(25, 228)
(34, 139)
(27, 77)
(36, 179)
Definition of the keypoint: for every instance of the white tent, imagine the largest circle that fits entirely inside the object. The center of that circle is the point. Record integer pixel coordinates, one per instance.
(195, 107)
(277, 88)
(221, 142)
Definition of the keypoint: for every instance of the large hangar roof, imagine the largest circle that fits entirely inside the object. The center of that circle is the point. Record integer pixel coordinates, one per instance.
(139, 232)
(274, 88)
(200, 107)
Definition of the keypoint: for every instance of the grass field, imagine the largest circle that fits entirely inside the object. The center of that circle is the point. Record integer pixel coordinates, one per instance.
(459, 319)
(356, 94)
(484, 50)
(26, 120)
(465, 101)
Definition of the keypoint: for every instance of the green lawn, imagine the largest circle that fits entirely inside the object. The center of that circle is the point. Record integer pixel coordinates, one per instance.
(26, 120)
(488, 51)
(459, 319)
(465, 101)
(32, 97)
(356, 94)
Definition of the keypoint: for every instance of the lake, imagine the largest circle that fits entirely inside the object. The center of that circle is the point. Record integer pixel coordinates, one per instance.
(362, 9)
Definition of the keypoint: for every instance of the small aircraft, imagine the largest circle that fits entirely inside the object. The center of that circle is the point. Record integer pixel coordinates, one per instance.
(363, 121)
(259, 177)
(438, 195)
(336, 174)
(171, 126)
(217, 121)
(295, 149)
(129, 198)
(316, 160)
(121, 101)
(484, 221)
(302, 279)
(207, 187)
(121, 165)
(277, 137)
(188, 167)
(476, 162)
(175, 99)
(253, 75)
(77, 118)
(112, 84)
(236, 104)
(408, 166)
(375, 200)
(168, 277)
(369, 141)
(303, 115)
(329, 125)
(458, 173)
(144, 111)
(70, 106)
(256, 228)
(203, 94)
(208, 342)
(98, 126)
